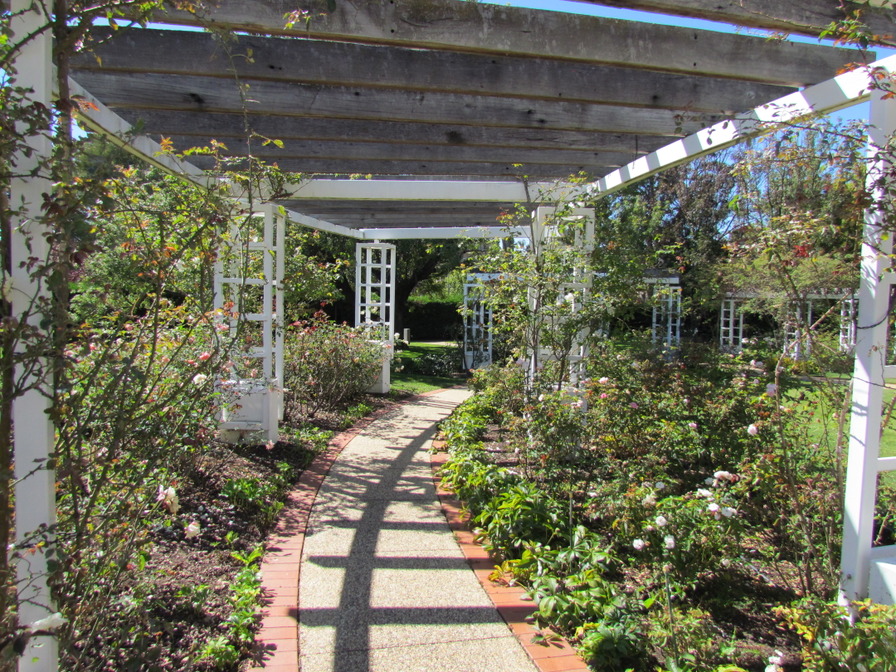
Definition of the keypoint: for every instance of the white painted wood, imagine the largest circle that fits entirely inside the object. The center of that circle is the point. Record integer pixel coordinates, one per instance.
(868, 375)
(545, 232)
(35, 489)
(666, 312)
(442, 233)
(375, 270)
(847, 339)
(834, 94)
(797, 344)
(886, 464)
(478, 337)
(255, 400)
(731, 325)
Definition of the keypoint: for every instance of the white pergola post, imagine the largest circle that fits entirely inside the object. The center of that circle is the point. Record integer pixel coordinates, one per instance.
(868, 572)
(477, 322)
(731, 326)
(797, 344)
(374, 301)
(666, 313)
(258, 402)
(848, 323)
(546, 231)
(35, 489)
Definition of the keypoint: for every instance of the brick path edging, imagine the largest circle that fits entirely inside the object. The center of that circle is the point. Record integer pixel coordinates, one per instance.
(554, 656)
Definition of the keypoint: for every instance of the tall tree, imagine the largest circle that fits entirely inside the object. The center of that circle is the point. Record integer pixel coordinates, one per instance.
(798, 212)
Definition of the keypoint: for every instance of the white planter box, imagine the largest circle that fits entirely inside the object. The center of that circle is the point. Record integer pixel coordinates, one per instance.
(252, 406)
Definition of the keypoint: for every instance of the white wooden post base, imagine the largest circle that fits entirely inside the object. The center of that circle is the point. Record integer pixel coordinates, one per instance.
(375, 302)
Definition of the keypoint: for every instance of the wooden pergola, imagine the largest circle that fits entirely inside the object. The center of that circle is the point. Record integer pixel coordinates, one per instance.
(462, 98)
(443, 107)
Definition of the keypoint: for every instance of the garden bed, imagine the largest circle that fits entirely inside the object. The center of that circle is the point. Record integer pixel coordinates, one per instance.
(188, 603)
(669, 515)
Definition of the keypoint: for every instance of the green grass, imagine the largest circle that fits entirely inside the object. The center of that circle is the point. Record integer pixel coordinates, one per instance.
(410, 380)
(816, 432)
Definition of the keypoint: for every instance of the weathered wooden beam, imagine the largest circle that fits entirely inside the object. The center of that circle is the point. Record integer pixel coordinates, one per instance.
(488, 28)
(366, 219)
(452, 169)
(371, 151)
(356, 65)
(408, 191)
(208, 94)
(205, 125)
(806, 17)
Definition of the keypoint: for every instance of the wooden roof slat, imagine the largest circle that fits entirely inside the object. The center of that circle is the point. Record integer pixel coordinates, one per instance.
(201, 126)
(487, 28)
(806, 17)
(370, 151)
(452, 169)
(209, 94)
(357, 65)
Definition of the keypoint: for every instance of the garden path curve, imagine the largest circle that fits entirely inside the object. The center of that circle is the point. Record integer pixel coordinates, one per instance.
(384, 585)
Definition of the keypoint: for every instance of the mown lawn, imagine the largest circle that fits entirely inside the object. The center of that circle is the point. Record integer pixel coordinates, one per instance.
(888, 436)
(425, 366)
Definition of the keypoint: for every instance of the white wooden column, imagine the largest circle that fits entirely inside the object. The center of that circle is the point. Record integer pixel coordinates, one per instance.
(34, 433)
(731, 326)
(666, 313)
(546, 232)
(848, 324)
(257, 405)
(867, 572)
(375, 269)
(477, 322)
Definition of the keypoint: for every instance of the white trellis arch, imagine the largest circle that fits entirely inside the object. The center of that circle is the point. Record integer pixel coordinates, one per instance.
(800, 315)
(478, 338)
(577, 292)
(666, 312)
(731, 325)
(35, 501)
(375, 268)
(866, 571)
(255, 251)
(848, 309)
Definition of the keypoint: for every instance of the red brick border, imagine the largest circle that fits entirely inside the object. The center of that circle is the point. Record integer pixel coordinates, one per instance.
(554, 656)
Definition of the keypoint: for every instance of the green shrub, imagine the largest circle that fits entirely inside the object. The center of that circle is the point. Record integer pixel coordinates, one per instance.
(326, 366)
(518, 516)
